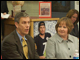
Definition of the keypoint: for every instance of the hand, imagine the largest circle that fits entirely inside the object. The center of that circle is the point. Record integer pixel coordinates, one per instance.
(42, 57)
(4, 13)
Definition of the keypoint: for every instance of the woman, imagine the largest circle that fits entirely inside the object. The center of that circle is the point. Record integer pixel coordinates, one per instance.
(62, 45)
(74, 16)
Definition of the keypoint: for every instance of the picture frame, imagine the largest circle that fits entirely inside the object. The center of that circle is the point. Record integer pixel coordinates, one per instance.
(49, 23)
(45, 9)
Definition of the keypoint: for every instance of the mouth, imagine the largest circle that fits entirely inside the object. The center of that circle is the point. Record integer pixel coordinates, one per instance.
(61, 32)
(26, 30)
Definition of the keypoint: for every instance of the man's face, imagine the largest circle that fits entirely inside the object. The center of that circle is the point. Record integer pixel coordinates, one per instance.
(42, 29)
(23, 26)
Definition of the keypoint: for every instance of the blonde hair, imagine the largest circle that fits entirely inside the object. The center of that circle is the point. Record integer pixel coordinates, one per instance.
(68, 22)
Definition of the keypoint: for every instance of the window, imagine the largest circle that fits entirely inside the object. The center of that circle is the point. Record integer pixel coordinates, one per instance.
(60, 8)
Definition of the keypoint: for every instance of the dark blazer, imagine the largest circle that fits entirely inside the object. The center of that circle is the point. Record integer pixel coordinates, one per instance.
(4, 7)
(11, 47)
(75, 31)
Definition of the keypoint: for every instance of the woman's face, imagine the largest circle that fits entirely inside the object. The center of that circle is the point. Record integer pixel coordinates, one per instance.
(62, 29)
(74, 17)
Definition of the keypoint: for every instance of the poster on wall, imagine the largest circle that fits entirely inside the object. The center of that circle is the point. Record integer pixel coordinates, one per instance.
(49, 25)
(44, 9)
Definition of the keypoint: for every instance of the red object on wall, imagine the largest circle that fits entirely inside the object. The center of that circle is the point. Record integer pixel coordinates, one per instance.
(1, 56)
(44, 9)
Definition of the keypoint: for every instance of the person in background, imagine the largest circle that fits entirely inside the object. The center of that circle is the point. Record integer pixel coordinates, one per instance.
(4, 10)
(73, 14)
(41, 40)
(62, 45)
(12, 46)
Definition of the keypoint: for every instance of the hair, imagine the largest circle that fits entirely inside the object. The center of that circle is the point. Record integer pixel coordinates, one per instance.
(68, 22)
(71, 13)
(41, 23)
(19, 15)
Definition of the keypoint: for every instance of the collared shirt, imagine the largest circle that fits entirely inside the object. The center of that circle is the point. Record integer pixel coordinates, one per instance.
(57, 48)
(20, 37)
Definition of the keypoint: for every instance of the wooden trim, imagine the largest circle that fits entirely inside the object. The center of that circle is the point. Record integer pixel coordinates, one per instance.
(31, 29)
(44, 19)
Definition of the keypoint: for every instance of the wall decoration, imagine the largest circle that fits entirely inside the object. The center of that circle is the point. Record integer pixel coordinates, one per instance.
(49, 24)
(44, 9)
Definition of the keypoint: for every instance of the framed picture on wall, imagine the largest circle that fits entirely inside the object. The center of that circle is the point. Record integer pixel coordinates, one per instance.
(44, 9)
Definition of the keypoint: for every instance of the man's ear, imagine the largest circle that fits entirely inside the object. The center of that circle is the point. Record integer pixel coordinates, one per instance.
(16, 24)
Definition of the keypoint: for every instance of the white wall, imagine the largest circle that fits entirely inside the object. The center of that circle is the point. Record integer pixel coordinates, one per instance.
(77, 5)
(77, 8)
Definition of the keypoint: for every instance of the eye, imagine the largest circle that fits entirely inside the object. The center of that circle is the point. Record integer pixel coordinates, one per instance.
(59, 26)
(24, 22)
(64, 27)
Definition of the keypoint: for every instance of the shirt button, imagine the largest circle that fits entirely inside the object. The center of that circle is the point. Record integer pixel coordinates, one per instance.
(70, 56)
(68, 48)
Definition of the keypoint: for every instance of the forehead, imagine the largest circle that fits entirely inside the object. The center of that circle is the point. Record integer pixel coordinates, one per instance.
(62, 23)
(24, 19)
(42, 26)
(76, 15)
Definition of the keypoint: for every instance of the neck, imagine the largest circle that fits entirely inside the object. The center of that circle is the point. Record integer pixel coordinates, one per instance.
(42, 35)
(64, 37)
(20, 33)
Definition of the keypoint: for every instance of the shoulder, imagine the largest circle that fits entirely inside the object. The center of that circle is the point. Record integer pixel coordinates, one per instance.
(53, 38)
(36, 37)
(10, 36)
(48, 34)
(73, 38)
(9, 39)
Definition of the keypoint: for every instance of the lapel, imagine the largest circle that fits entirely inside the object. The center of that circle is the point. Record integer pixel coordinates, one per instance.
(20, 48)
(29, 47)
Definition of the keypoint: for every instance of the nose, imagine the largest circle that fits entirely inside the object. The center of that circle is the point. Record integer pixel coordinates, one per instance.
(62, 28)
(27, 25)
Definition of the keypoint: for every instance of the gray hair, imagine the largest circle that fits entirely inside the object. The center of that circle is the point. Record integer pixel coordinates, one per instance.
(19, 15)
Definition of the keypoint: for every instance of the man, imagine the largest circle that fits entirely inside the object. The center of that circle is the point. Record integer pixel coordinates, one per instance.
(41, 40)
(4, 10)
(12, 45)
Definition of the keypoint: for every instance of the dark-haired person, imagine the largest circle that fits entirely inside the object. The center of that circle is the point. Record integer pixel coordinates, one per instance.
(62, 45)
(13, 46)
(4, 10)
(73, 14)
(41, 40)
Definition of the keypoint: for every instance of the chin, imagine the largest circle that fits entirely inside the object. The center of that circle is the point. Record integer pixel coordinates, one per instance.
(61, 34)
(26, 33)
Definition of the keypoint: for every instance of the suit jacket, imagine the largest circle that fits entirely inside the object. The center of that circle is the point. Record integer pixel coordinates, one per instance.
(11, 47)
